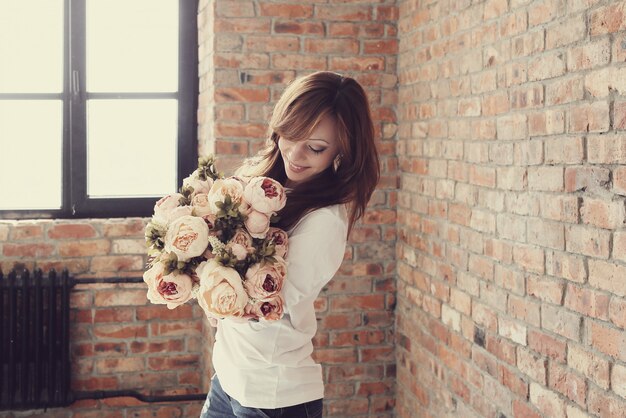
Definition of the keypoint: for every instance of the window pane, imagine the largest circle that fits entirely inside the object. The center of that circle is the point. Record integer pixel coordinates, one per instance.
(131, 147)
(31, 144)
(31, 46)
(132, 46)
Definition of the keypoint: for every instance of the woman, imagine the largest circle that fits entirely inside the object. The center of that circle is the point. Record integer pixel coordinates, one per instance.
(321, 148)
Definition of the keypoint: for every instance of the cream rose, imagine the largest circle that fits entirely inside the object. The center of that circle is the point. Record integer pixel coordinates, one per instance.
(265, 280)
(198, 185)
(187, 237)
(200, 204)
(269, 310)
(179, 212)
(240, 244)
(221, 292)
(165, 205)
(173, 289)
(222, 188)
(280, 239)
(257, 224)
(265, 195)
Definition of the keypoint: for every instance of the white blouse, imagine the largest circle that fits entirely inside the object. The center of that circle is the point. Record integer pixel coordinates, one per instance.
(268, 364)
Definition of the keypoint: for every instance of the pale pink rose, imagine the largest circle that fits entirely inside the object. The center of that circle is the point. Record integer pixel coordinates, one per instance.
(187, 237)
(173, 289)
(245, 208)
(165, 205)
(280, 239)
(265, 280)
(270, 309)
(244, 180)
(200, 204)
(198, 185)
(222, 188)
(221, 292)
(210, 220)
(241, 244)
(257, 224)
(179, 212)
(265, 195)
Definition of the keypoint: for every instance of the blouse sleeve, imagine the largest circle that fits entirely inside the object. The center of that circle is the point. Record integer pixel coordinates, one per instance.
(316, 250)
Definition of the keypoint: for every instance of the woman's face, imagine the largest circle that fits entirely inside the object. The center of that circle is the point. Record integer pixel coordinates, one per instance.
(304, 159)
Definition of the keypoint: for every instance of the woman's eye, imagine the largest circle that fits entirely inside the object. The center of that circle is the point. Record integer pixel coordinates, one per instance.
(317, 150)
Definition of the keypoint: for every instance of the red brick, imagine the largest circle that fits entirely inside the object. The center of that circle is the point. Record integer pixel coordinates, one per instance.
(242, 25)
(28, 250)
(235, 94)
(171, 345)
(117, 263)
(522, 410)
(546, 66)
(237, 60)
(546, 401)
(567, 266)
(175, 329)
(117, 314)
(66, 231)
(564, 90)
(567, 383)
(582, 178)
(603, 214)
(120, 331)
(561, 322)
(606, 149)
(607, 276)
(526, 97)
(566, 32)
(343, 13)
(587, 241)
(547, 345)
(235, 9)
(173, 362)
(380, 47)
(592, 117)
(608, 19)
(565, 151)
(299, 11)
(298, 27)
(532, 365)
(610, 341)
(604, 404)
(26, 232)
(84, 248)
(591, 54)
(529, 258)
(120, 365)
(585, 362)
(617, 311)
(600, 83)
(542, 11)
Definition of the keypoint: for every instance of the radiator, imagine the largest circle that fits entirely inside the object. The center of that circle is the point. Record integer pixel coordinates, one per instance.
(34, 340)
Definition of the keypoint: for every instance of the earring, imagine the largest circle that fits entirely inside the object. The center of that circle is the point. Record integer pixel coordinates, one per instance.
(336, 163)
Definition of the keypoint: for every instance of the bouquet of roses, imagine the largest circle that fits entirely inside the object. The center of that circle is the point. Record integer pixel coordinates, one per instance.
(213, 241)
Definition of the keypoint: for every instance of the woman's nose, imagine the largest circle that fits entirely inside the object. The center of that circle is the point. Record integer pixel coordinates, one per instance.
(297, 151)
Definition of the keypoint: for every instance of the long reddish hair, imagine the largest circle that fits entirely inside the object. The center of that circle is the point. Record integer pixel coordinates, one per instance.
(296, 115)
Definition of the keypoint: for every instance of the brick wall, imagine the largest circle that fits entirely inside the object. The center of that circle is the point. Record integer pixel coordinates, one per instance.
(249, 51)
(511, 250)
(118, 340)
(259, 47)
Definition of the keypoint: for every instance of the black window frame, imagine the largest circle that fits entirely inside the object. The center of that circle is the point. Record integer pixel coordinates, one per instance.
(76, 204)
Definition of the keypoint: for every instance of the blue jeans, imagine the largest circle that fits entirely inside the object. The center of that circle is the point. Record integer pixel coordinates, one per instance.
(219, 405)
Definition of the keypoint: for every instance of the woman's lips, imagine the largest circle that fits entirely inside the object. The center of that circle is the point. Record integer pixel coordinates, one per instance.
(296, 168)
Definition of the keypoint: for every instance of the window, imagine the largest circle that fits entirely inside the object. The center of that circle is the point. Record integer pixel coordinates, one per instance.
(98, 103)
